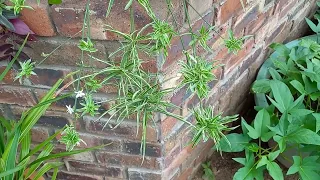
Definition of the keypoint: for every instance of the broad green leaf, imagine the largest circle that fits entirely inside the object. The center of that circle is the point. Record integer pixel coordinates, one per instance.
(263, 161)
(303, 136)
(298, 86)
(308, 167)
(315, 96)
(281, 49)
(275, 171)
(251, 131)
(282, 94)
(274, 74)
(281, 142)
(261, 86)
(234, 142)
(240, 160)
(273, 155)
(312, 26)
(317, 117)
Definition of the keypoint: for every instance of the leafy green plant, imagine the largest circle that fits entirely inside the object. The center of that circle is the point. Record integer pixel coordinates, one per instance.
(197, 73)
(26, 70)
(208, 174)
(210, 126)
(290, 118)
(17, 163)
(234, 44)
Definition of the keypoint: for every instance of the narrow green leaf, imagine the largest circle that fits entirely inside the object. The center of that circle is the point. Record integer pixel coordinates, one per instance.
(14, 59)
(128, 4)
(4, 21)
(111, 2)
(54, 1)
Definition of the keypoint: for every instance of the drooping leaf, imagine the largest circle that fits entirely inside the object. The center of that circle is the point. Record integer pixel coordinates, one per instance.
(20, 27)
(234, 142)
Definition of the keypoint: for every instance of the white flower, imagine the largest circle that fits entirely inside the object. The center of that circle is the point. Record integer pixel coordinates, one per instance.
(69, 109)
(80, 94)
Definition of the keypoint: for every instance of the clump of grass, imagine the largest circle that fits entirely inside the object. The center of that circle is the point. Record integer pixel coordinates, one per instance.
(234, 44)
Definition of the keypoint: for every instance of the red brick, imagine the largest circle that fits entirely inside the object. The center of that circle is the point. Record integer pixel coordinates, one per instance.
(95, 169)
(126, 130)
(128, 160)
(135, 173)
(152, 150)
(38, 19)
(73, 24)
(76, 176)
(16, 95)
(48, 77)
(245, 19)
(68, 54)
(94, 140)
(39, 134)
(237, 58)
(167, 125)
(9, 77)
(228, 10)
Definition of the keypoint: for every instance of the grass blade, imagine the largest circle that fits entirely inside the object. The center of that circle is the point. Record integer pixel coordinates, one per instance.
(14, 59)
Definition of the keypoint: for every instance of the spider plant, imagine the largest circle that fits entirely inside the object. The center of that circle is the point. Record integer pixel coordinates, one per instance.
(210, 126)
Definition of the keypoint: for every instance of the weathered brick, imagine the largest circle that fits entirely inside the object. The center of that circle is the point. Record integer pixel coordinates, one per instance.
(228, 10)
(153, 150)
(237, 58)
(68, 53)
(9, 77)
(48, 77)
(53, 121)
(16, 95)
(245, 19)
(76, 176)
(39, 134)
(125, 130)
(195, 7)
(95, 169)
(140, 174)
(128, 160)
(73, 24)
(38, 19)
(94, 140)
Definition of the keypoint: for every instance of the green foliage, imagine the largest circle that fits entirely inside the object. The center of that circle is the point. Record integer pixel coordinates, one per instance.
(208, 174)
(197, 73)
(89, 106)
(291, 119)
(26, 70)
(16, 152)
(234, 44)
(70, 137)
(87, 46)
(210, 126)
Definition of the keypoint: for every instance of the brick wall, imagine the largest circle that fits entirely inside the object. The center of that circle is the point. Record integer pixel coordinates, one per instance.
(168, 155)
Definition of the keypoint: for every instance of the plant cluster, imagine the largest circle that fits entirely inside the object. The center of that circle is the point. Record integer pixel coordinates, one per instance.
(290, 116)
(140, 94)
